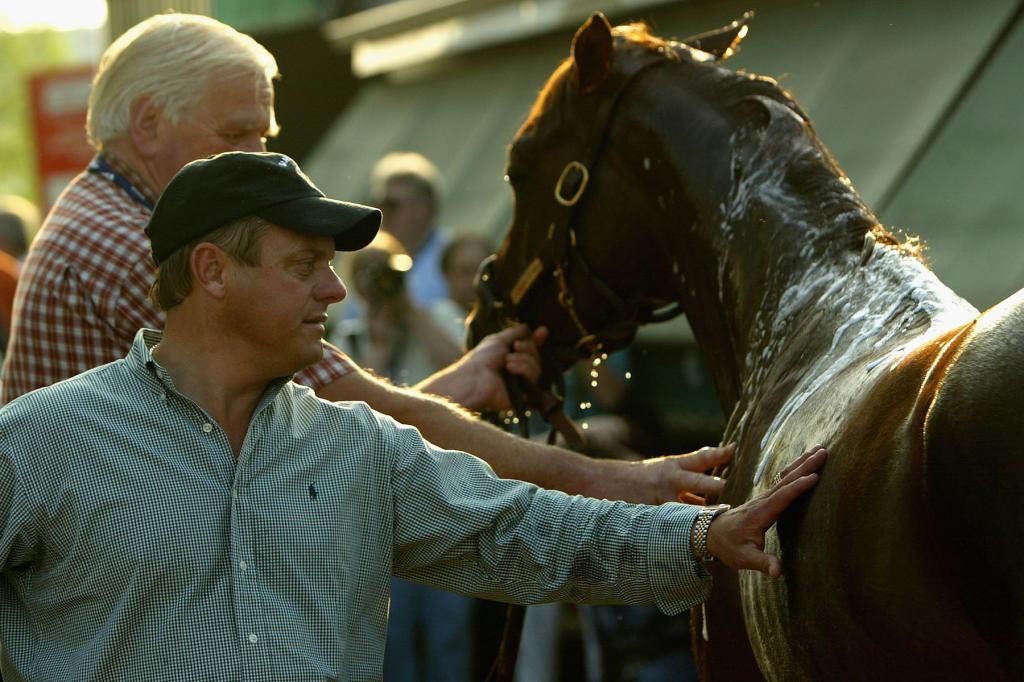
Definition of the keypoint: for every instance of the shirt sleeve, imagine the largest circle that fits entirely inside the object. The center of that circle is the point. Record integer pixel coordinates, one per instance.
(17, 535)
(461, 528)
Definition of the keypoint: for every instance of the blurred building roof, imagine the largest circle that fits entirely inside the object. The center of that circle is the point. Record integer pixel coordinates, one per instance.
(406, 33)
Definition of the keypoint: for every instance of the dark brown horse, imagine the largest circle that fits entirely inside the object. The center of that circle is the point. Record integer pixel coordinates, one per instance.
(648, 175)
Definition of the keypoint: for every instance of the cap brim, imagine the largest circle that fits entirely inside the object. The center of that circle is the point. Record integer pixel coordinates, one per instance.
(353, 226)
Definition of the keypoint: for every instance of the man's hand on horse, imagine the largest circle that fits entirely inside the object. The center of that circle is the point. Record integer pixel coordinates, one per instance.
(736, 536)
(662, 479)
(475, 380)
(683, 478)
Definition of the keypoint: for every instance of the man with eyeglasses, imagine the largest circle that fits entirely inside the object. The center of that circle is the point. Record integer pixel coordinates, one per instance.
(407, 187)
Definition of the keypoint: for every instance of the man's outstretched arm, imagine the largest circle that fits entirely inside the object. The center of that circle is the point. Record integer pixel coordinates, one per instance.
(452, 427)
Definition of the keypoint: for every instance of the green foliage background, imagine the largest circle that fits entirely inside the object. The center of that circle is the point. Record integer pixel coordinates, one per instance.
(21, 55)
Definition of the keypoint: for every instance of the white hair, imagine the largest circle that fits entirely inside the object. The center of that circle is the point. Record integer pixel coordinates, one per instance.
(408, 167)
(169, 57)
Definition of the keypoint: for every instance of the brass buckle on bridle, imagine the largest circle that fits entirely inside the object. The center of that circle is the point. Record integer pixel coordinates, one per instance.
(571, 201)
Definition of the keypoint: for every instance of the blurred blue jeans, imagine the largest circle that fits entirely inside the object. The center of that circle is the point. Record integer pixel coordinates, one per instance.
(430, 635)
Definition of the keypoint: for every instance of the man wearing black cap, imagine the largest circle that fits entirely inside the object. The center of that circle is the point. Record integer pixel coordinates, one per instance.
(249, 225)
(189, 512)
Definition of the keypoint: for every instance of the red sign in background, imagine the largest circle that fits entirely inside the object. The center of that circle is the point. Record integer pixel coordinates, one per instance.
(60, 100)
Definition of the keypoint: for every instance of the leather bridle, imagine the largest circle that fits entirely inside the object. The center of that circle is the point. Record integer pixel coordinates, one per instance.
(559, 255)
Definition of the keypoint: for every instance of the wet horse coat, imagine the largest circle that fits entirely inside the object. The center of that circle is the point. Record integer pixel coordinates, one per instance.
(677, 180)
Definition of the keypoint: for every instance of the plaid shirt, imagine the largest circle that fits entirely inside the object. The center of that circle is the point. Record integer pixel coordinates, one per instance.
(135, 546)
(83, 292)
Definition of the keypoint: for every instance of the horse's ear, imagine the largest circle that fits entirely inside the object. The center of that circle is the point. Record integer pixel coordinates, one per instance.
(592, 52)
(765, 111)
(722, 42)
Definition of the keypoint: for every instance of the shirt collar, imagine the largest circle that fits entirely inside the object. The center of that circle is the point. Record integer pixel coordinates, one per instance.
(140, 359)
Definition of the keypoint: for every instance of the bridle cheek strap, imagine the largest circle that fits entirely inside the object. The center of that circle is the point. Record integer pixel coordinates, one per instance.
(526, 280)
(557, 254)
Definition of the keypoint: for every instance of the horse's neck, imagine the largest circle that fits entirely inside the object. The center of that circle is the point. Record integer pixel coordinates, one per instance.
(801, 303)
(850, 313)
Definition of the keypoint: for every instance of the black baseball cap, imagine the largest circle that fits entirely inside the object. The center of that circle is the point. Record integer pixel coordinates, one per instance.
(210, 193)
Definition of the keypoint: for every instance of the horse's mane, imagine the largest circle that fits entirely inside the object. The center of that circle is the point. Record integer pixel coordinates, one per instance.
(813, 170)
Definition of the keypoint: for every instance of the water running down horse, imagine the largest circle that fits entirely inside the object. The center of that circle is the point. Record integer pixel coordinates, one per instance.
(676, 180)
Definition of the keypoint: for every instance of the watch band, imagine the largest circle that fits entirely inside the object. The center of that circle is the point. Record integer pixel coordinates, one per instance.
(700, 531)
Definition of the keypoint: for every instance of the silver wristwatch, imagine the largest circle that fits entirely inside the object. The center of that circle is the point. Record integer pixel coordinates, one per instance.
(700, 530)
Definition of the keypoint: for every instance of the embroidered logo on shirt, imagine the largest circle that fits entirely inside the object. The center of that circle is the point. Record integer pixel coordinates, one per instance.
(312, 492)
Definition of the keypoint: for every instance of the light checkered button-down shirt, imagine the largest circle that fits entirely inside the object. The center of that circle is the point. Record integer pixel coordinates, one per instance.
(83, 292)
(134, 546)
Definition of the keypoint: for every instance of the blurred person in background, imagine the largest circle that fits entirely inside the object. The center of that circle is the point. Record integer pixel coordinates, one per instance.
(393, 337)
(19, 218)
(178, 87)
(460, 261)
(8, 286)
(407, 187)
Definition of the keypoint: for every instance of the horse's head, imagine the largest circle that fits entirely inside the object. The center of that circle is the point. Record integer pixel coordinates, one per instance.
(596, 181)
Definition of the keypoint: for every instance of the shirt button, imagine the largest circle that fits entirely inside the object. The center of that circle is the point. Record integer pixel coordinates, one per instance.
(207, 427)
(234, 494)
(242, 565)
(253, 638)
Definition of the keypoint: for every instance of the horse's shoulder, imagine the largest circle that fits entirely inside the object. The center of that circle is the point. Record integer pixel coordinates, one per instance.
(985, 373)
(974, 472)
(972, 436)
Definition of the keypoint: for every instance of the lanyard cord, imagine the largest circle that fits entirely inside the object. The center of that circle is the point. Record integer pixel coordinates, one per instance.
(101, 166)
